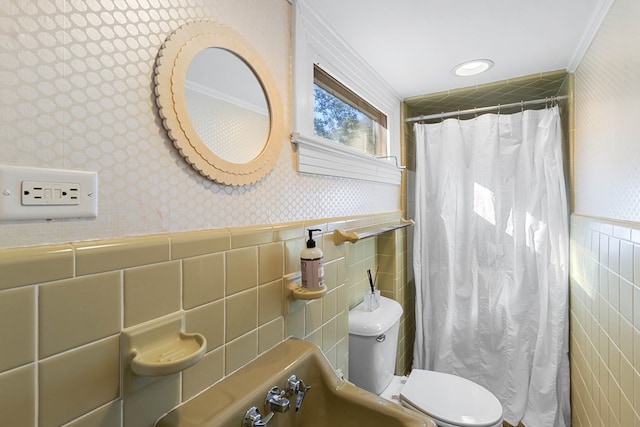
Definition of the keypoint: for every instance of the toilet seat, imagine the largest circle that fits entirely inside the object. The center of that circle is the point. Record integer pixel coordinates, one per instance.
(451, 400)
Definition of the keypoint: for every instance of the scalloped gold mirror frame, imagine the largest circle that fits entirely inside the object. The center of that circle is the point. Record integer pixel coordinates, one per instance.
(172, 64)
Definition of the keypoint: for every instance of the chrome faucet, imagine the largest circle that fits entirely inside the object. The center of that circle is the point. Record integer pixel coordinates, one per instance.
(296, 386)
(276, 400)
(253, 418)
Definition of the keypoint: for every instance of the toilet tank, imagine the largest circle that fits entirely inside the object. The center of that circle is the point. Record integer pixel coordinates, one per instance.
(373, 342)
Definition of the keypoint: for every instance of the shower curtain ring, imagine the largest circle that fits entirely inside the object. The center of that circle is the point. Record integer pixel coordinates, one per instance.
(522, 106)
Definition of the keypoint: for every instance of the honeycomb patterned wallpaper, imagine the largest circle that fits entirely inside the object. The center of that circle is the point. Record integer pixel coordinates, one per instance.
(607, 128)
(77, 93)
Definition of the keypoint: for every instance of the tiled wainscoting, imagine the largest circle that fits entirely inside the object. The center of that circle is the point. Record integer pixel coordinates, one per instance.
(605, 323)
(63, 308)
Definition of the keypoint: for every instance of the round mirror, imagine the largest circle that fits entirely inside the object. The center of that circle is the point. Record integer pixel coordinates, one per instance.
(219, 103)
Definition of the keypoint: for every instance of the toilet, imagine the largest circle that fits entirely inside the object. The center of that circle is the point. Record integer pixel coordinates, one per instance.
(449, 400)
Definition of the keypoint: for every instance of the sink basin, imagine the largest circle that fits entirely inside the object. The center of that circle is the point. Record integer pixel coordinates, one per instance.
(331, 401)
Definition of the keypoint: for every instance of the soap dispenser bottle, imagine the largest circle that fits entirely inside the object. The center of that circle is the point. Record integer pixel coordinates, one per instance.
(311, 264)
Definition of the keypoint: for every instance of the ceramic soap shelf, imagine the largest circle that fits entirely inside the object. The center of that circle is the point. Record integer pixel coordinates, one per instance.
(293, 291)
(173, 355)
(163, 348)
(298, 292)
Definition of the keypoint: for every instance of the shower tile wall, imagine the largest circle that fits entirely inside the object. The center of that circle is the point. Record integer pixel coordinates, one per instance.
(605, 322)
(63, 307)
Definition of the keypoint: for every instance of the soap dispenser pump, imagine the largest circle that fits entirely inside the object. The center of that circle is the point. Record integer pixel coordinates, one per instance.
(311, 264)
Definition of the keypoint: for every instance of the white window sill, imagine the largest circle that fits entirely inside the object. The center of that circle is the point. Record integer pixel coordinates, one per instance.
(321, 157)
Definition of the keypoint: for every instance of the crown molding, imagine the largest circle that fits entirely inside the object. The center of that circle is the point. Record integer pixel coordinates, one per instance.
(589, 34)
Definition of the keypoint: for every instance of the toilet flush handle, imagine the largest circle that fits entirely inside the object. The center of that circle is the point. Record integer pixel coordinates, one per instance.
(381, 338)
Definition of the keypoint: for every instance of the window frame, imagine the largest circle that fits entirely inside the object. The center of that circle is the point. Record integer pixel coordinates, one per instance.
(316, 44)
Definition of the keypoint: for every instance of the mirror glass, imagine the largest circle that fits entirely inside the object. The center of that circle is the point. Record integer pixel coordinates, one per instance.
(226, 105)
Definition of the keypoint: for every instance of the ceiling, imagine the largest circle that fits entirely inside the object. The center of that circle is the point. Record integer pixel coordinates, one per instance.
(414, 44)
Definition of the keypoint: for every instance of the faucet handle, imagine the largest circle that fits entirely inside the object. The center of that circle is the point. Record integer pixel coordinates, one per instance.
(252, 418)
(296, 386)
(276, 400)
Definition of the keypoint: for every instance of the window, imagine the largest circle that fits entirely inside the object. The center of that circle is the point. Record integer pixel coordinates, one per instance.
(342, 116)
(331, 82)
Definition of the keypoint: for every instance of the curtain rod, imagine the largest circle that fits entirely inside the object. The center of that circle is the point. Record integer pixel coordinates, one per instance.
(485, 109)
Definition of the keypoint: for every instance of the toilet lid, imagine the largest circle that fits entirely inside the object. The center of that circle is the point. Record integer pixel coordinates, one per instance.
(452, 399)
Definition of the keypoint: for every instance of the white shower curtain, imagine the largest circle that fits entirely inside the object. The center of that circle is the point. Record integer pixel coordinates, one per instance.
(491, 259)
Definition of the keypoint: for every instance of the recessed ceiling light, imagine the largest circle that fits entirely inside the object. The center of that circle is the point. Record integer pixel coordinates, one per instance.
(471, 68)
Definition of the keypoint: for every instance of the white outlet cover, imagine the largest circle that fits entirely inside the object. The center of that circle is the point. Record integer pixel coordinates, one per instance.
(12, 208)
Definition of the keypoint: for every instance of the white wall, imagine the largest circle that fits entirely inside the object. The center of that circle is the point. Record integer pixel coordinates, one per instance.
(607, 128)
(76, 88)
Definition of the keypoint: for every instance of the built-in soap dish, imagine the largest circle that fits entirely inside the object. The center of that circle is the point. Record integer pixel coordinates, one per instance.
(298, 292)
(294, 291)
(170, 356)
(160, 348)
